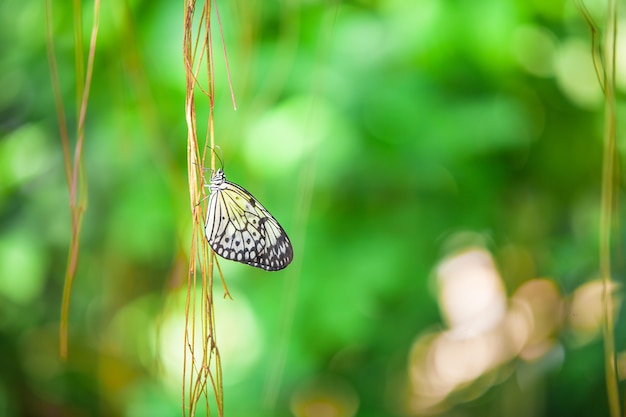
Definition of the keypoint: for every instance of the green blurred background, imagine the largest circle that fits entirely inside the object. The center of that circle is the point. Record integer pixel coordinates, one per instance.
(436, 164)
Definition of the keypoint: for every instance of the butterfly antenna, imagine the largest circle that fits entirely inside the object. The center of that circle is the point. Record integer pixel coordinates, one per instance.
(219, 158)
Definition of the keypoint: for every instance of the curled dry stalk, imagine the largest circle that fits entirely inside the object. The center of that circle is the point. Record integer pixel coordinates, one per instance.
(604, 59)
(74, 171)
(202, 374)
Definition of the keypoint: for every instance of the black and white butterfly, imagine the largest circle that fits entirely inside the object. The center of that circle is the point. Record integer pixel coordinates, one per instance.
(239, 228)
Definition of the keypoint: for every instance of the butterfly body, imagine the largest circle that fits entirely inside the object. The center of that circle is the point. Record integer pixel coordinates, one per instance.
(239, 228)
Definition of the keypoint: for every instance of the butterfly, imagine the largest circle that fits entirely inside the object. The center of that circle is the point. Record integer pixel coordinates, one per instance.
(240, 229)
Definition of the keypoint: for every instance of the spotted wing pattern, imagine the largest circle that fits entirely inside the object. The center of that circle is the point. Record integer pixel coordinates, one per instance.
(239, 228)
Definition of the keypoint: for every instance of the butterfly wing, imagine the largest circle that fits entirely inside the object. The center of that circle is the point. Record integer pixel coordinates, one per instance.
(239, 228)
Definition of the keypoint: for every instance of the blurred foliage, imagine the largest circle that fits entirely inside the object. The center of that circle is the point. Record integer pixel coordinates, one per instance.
(421, 129)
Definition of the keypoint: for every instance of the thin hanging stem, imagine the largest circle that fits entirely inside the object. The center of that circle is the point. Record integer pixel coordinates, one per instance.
(607, 207)
(74, 171)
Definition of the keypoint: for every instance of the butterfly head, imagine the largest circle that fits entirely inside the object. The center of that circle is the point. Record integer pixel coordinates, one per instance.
(218, 181)
(218, 176)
